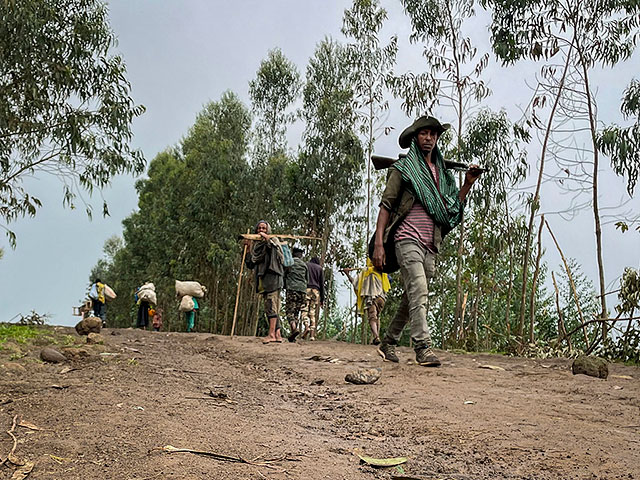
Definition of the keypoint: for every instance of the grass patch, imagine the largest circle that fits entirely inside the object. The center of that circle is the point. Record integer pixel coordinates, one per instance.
(17, 356)
(18, 333)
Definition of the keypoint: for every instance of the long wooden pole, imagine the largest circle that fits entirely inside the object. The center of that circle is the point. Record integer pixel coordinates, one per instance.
(235, 309)
(256, 236)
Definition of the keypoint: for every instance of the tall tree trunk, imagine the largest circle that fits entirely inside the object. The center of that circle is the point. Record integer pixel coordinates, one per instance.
(369, 152)
(535, 202)
(562, 330)
(507, 313)
(534, 284)
(596, 211)
(459, 106)
(491, 297)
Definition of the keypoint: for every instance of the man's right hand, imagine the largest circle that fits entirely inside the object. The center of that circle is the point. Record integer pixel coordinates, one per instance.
(379, 256)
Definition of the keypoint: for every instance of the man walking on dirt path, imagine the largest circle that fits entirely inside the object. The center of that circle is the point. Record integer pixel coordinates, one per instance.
(268, 261)
(296, 279)
(420, 205)
(315, 298)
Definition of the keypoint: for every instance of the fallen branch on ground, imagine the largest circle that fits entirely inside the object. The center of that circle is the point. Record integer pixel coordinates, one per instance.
(15, 442)
(227, 458)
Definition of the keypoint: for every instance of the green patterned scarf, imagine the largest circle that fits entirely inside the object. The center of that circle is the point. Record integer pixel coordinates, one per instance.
(444, 207)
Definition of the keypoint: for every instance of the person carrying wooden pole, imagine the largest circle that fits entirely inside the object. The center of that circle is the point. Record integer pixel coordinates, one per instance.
(267, 259)
(421, 203)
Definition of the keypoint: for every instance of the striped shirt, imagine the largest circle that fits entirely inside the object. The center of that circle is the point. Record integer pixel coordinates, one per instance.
(418, 225)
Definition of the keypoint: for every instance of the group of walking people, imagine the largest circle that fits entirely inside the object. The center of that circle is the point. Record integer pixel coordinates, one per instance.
(421, 204)
(302, 281)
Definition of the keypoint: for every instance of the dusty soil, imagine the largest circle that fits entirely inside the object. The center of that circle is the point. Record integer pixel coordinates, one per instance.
(107, 418)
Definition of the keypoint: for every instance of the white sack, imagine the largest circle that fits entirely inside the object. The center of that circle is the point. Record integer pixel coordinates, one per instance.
(147, 295)
(109, 294)
(186, 304)
(193, 289)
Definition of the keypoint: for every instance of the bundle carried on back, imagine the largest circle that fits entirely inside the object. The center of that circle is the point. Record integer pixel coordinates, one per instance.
(193, 289)
(109, 293)
(186, 304)
(147, 293)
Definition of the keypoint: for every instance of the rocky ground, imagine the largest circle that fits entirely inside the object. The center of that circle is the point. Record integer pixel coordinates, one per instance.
(285, 411)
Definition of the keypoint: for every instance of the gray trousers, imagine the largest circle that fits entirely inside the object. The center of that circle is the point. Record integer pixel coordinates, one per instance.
(417, 265)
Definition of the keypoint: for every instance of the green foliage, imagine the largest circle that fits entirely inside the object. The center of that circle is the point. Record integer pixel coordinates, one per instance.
(276, 87)
(327, 188)
(371, 69)
(605, 32)
(370, 63)
(629, 295)
(622, 144)
(450, 75)
(65, 108)
(191, 209)
(626, 345)
(18, 333)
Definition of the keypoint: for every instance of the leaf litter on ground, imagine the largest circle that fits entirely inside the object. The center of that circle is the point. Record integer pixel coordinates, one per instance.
(380, 462)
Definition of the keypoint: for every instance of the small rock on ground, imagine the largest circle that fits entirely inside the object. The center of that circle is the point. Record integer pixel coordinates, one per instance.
(364, 376)
(51, 355)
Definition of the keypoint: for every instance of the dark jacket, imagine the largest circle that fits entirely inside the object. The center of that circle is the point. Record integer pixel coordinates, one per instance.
(316, 277)
(269, 270)
(296, 277)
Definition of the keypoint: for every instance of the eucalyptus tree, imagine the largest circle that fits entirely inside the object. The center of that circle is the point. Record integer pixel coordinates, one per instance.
(192, 207)
(591, 34)
(65, 104)
(331, 160)
(371, 68)
(274, 90)
(622, 144)
(451, 79)
(493, 140)
(326, 183)
(221, 185)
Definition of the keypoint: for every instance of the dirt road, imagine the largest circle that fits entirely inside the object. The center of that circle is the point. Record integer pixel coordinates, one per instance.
(293, 417)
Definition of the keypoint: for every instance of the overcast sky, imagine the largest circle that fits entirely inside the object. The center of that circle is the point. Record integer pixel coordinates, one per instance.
(183, 54)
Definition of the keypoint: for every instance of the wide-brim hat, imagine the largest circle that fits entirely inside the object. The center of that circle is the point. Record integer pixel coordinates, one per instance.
(419, 124)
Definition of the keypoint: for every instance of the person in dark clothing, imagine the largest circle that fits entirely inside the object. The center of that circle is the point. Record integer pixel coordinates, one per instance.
(268, 261)
(143, 314)
(143, 308)
(315, 298)
(296, 278)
